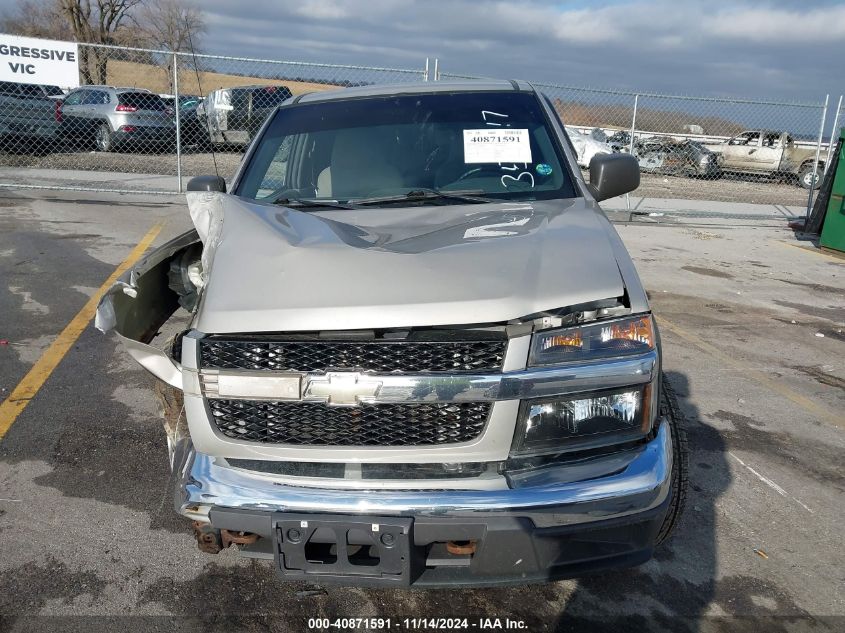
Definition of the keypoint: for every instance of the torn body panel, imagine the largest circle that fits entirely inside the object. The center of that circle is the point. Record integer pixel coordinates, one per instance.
(140, 302)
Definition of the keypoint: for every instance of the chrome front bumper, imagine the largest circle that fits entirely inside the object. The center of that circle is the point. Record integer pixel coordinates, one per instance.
(640, 482)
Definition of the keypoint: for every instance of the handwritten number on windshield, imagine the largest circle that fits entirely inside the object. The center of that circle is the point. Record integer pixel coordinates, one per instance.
(497, 119)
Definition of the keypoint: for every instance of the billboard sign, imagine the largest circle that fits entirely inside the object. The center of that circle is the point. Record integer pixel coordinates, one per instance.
(28, 60)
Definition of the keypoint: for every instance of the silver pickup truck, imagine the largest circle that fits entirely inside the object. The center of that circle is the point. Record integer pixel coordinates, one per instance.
(418, 351)
(775, 154)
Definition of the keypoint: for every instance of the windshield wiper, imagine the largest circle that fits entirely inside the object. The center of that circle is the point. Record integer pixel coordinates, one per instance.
(415, 195)
(312, 203)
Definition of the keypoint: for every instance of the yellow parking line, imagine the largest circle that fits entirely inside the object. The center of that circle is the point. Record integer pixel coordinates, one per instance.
(755, 374)
(812, 251)
(26, 389)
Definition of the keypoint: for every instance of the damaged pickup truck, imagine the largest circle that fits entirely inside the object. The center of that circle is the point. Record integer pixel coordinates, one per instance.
(418, 352)
(771, 154)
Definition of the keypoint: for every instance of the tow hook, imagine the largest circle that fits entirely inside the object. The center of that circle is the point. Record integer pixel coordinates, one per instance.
(461, 548)
(238, 538)
(211, 540)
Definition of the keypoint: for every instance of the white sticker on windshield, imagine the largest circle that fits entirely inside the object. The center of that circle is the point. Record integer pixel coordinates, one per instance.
(497, 146)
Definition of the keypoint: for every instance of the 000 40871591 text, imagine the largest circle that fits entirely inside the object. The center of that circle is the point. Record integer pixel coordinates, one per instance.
(434, 624)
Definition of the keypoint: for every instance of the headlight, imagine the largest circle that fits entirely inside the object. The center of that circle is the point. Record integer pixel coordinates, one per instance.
(588, 419)
(596, 340)
(584, 421)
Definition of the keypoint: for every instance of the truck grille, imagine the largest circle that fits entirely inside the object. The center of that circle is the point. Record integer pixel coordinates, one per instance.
(316, 424)
(383, 356)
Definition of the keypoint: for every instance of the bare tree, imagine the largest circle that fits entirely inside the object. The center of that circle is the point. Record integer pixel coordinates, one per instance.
(34, 18)
(172, 25)
(163, 24)
(98, 22)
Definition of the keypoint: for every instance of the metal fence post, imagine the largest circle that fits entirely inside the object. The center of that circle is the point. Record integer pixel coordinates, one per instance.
(436, 69)
(633, 124)
(833, 134)
(631, 143)
(178, 126)
(425, 72)
(818, 151)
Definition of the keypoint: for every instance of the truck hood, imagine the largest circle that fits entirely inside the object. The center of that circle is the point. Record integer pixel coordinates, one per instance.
(272, 268)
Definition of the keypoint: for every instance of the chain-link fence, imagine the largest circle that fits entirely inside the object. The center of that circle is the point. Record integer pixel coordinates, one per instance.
(150, 119)
(699, 148)
(147, 120)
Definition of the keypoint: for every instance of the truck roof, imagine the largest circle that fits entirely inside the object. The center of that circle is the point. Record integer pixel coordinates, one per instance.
(251, 87)
(421, 87)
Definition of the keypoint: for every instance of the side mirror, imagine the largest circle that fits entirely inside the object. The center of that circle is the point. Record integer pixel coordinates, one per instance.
(207, 183)
(612, 175)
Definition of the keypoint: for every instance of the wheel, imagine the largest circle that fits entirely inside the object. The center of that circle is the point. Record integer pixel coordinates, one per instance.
(805, 176)
(673, 416)
(103, 138)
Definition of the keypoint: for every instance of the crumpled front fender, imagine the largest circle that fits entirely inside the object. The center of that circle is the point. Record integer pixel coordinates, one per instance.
(140, 302)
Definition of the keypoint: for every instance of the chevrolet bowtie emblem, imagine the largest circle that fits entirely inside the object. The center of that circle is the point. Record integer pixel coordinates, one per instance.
(343, 388)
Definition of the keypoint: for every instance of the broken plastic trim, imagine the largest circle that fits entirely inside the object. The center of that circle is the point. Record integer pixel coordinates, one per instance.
(140, 302)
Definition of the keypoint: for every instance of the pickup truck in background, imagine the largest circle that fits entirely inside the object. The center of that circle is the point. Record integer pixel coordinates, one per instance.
(763, 152)
(233, 116)
(28, 111)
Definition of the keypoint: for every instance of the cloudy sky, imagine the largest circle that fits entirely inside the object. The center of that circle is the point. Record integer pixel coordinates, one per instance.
(746, 48)
(770, 49)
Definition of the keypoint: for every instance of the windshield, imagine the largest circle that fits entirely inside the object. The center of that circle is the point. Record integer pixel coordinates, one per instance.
(142, 100)
(35, 90)
(495, 144)
(270, 96)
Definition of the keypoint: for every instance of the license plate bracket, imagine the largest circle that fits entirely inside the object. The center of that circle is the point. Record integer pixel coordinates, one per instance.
(323, 547)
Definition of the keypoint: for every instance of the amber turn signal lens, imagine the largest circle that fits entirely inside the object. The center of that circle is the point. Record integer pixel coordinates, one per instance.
(633, 335)
(639, 330)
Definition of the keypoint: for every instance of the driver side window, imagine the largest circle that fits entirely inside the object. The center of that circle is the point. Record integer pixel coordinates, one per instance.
(276, 176)
(74, 98)
(746, 138)
(772, 140)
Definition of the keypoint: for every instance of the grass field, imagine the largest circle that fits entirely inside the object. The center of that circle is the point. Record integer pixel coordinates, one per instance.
(157, 79)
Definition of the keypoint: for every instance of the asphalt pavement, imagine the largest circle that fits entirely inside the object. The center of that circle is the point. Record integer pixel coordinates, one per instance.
(753, 327)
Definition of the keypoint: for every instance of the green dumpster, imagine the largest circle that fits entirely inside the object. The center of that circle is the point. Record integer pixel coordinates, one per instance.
(833, 231)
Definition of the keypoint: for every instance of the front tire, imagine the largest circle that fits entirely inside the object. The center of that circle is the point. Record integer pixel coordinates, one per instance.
(673, 416)
(805, 176)
(103, 138)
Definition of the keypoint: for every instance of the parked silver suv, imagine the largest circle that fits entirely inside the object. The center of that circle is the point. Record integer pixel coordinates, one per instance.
(109, 117)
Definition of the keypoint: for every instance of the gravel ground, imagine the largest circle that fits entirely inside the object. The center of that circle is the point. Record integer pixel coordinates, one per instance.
(752, 324)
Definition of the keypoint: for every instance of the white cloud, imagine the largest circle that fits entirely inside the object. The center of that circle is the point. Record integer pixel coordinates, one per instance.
(769, 25)
(321, 10)
(720, 47)
(748, 48)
